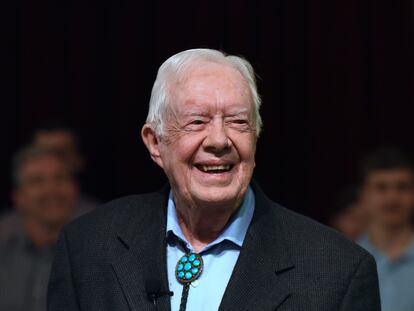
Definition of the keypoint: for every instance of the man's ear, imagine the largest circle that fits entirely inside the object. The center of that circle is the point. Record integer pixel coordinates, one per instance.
(152, 142)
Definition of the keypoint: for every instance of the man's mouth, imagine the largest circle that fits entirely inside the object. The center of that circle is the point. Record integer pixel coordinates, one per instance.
(215, 169)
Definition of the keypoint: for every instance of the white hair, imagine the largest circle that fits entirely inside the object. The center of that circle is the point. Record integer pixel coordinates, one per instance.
(174, 66)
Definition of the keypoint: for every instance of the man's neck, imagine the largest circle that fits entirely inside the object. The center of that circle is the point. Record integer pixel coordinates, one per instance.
(202, 225)
(391, 240)
(39, 234)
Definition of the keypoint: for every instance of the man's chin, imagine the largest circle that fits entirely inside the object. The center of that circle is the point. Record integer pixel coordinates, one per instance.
(55, 221)
(394, 223)
(217, 195)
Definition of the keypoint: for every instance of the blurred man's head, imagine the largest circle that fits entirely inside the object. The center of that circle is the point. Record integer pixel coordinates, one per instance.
(349, 217)
(62, 139)
(45, 191)
(387, 189)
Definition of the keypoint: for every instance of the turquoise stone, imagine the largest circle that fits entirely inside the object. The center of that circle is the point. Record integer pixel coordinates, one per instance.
(180, 275)
(187, 266)
(196, 262)
(184, 259)
(180, 267)
(194, 271)
(192, 257)
(188, 275)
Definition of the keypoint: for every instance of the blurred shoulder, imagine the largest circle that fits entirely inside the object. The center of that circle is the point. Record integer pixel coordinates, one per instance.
(10, 224)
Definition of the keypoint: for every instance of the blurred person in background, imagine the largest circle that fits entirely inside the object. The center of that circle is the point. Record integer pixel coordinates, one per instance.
(44, 197)
(59, 137)
(62, 138)
(349, 216)
(387, 194)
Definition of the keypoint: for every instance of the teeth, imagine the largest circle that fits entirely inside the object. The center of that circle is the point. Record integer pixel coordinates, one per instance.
(207, 168)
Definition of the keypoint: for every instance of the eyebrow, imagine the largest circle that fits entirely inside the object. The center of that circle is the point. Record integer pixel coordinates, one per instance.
(195, 114)
(200, 112)
(238, 112)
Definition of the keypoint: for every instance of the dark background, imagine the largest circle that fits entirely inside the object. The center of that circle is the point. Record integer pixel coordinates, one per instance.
(336, 78)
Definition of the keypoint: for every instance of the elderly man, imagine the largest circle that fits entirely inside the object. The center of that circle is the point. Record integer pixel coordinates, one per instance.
(211, 239)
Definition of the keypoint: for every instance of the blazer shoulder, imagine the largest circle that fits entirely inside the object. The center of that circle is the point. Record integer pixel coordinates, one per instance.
(124, 209)
(309, 237)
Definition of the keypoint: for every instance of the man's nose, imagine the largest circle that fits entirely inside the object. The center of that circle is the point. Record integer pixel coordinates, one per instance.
(217, 138)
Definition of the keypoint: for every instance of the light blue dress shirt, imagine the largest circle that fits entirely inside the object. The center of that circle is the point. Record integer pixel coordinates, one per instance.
(396, 277)
(219, 257)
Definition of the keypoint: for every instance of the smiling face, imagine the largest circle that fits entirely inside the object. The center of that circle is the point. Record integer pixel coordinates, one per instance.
(209, 143)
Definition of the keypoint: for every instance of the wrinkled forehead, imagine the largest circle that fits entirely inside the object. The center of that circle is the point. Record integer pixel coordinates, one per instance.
(210, 85)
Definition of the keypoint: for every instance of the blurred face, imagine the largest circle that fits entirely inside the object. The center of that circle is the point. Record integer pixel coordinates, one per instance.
(62, 142)
(47, 193)
(388, 196)
(208, 148)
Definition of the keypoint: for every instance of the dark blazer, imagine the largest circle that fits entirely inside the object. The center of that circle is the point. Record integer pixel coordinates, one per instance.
(106, 259)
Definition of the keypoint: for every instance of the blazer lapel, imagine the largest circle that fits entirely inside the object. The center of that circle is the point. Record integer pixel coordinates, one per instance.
(257, 281)
(142, 263)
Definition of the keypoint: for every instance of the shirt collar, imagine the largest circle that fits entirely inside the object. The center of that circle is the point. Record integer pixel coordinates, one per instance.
(235, 230)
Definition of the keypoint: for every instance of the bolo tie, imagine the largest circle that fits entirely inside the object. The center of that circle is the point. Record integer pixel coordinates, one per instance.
(187, 270)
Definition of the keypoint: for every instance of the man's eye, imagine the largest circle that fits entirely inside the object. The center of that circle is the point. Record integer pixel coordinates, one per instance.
(197, 122)
(381, 187)
(240, 121)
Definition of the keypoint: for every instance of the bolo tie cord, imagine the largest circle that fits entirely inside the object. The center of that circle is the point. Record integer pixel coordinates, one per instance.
(187, 270)
(184, 296)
